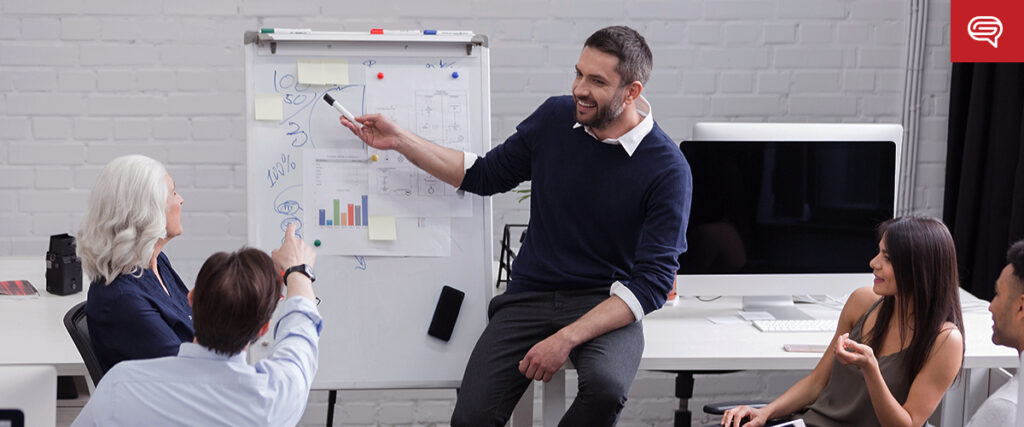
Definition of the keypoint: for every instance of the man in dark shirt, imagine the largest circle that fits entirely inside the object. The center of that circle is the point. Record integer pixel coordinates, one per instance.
(608, 210)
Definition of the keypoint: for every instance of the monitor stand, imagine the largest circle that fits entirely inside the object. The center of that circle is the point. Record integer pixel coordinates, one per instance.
(781, 307)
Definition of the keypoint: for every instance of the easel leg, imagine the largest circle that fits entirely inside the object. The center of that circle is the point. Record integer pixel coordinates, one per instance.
(332, 398)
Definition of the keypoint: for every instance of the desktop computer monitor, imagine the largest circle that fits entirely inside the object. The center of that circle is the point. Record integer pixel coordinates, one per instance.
(786, 209)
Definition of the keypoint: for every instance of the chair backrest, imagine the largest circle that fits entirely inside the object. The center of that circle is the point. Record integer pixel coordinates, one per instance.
(78, 328)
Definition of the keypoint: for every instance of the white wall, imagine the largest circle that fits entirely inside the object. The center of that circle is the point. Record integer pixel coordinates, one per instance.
(83, 81)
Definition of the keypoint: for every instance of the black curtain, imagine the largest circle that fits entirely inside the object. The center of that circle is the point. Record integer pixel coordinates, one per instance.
(984, 199)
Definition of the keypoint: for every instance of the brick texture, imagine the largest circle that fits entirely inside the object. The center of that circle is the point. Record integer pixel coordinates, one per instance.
(82, 82)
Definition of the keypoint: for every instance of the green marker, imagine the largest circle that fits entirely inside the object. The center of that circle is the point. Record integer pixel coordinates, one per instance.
(286, 31)
(316, 243)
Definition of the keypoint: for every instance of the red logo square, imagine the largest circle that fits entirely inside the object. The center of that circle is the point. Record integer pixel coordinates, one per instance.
(987, 31)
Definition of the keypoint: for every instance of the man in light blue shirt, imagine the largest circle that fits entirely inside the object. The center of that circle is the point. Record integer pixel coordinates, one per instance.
(209, 382)
(1007, 309)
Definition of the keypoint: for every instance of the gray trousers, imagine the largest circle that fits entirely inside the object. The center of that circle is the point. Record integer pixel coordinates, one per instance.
(492, 384)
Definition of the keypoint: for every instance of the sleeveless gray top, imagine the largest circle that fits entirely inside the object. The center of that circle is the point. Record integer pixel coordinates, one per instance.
(845, 400)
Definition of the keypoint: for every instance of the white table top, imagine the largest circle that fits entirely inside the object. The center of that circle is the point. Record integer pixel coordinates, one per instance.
(32, 328)
(681, 338)
(677, 337)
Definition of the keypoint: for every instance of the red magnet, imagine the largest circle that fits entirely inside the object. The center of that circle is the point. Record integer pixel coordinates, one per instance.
(380, 76)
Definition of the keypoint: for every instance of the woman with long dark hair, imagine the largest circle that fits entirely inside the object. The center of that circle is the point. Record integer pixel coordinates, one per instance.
(898, 344)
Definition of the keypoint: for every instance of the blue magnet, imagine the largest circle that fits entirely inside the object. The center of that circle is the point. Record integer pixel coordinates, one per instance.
(455, 74)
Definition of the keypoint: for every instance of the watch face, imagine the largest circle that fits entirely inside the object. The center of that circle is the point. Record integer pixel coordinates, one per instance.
(303, 269)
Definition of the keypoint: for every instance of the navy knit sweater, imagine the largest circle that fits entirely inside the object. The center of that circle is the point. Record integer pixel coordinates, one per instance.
(597, 215)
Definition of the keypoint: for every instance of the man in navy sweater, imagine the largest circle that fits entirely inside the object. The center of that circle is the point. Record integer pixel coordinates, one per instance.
(608, 210)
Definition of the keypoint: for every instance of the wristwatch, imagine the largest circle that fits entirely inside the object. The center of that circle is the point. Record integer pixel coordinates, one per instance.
(302, 269)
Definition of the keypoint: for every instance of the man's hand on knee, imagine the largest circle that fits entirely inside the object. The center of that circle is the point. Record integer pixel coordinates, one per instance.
(545, 358)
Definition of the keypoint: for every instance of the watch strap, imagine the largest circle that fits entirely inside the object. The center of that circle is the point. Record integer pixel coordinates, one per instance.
(301, 268)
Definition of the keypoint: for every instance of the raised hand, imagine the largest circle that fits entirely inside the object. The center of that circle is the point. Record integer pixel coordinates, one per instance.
(378, 131)
(850, 352)
(293, 251)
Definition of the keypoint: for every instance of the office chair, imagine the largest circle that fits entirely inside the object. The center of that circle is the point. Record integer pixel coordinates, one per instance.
(78, 328)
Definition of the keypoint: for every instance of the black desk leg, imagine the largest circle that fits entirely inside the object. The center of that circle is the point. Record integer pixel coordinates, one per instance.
(332, 398)
(66, 387)
(684, 391)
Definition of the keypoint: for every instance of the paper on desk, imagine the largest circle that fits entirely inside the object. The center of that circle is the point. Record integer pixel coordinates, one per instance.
(268, 106)
(17, 288)
(756, 315)
(725, 320)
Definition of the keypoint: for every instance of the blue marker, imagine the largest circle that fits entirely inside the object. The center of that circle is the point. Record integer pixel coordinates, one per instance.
(447, 33)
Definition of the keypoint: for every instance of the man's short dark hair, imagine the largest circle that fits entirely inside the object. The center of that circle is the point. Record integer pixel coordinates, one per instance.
(1015, 257)
(635, 59)
(234, 296)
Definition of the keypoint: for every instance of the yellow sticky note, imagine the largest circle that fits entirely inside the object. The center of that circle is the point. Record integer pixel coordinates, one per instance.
(310, 72)
(382, 227)
(335, 71)
(269, 106)
(322, 71)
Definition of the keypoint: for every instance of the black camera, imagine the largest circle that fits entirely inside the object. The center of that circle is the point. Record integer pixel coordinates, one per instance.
(63, 266)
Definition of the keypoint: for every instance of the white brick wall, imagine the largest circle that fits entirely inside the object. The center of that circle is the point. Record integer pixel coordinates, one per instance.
(82, 82)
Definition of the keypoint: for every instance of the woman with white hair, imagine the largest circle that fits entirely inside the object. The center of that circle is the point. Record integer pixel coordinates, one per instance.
(138, 306)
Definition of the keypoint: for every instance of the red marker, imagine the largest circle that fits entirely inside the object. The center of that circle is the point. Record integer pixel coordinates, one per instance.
(377, 31)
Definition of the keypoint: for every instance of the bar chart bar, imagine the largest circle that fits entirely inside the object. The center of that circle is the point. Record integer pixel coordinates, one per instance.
(337, 212)
(345, 214)
(366, 216)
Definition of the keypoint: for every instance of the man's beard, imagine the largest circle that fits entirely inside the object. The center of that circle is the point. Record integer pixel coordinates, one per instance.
(605, 114)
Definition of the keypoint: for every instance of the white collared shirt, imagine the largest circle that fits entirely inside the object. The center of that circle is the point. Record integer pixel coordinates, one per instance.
(631, 139)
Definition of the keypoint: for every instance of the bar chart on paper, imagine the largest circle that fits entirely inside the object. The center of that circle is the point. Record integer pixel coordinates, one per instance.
(344, 214)
(335, 185)
(339, 189)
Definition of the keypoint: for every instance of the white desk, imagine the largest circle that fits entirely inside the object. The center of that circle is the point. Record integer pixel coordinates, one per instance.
(681, 339)
(32, 328)
(678, 339)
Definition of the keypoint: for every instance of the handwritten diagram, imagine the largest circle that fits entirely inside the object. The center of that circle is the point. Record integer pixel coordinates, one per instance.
(314, 173)
(439, 113)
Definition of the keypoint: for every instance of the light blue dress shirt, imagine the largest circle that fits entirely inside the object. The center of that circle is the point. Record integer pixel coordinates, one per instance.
(201, 387)
(999, 409)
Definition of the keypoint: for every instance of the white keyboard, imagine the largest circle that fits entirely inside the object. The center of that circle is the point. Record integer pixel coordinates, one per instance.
(815, 325)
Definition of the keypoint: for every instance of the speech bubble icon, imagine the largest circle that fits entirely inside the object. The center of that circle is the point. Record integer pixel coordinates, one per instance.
(985, 29)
